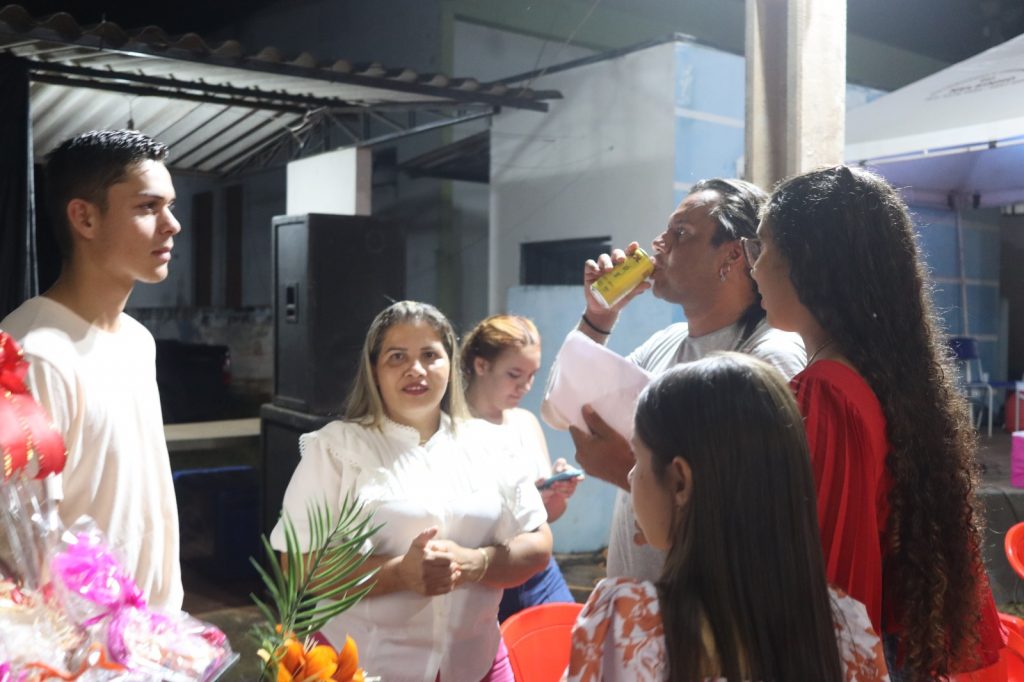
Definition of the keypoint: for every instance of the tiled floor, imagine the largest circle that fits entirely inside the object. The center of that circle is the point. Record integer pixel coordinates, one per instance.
(226, 604)
(994, 458)
(1004, 506)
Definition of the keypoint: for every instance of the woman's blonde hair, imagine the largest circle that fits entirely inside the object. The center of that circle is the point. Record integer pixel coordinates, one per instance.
(493, 335)
(364, 404)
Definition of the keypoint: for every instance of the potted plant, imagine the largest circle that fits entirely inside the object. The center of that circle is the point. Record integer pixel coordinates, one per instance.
(307, 589)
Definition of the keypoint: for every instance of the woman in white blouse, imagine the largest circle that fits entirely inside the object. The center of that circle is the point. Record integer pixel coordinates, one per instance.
(459, 525)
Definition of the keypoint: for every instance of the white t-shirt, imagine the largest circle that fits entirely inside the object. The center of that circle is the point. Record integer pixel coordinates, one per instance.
(524, 440)
(100, 390)
(661, 352)
(467, 484)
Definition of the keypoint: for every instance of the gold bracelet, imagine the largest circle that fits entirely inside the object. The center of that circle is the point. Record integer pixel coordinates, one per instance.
(487, 563)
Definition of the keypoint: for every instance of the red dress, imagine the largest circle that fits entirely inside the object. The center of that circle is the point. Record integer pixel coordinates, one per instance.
(846, 433)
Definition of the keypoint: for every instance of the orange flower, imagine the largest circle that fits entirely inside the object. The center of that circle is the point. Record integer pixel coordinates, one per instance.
(291, 655)
(348, 661)
(321, 663)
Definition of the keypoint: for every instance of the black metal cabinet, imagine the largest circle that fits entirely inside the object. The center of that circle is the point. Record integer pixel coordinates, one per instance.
(280, 429)
(332, 275)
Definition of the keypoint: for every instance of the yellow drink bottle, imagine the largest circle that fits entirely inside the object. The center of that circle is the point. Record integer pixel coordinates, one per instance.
(614, 285)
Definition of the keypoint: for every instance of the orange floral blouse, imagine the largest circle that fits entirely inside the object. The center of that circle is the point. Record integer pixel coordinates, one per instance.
(619, 637)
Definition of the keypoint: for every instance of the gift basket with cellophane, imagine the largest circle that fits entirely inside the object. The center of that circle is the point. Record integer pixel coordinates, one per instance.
(69, 610)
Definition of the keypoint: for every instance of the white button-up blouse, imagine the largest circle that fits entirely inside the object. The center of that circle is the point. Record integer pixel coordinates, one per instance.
(461, 481)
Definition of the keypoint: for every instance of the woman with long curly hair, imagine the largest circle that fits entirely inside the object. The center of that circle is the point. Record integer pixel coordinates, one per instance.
(723, 483)
(891, 442)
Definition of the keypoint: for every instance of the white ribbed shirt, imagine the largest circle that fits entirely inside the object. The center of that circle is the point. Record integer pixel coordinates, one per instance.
(464, 482)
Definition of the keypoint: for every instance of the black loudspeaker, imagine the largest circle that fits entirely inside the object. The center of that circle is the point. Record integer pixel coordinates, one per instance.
(332, 275)
(280, 429)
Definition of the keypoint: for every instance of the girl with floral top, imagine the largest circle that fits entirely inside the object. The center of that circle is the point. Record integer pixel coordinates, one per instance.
(723, 483)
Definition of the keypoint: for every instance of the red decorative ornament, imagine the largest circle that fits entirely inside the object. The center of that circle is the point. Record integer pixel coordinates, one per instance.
(13, 367)
(30, 445)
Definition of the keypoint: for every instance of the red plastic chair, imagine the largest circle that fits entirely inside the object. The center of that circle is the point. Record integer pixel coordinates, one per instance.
(994, 673)
(1013, 624)
(1010, 667)
(539, 641)
(1015, 644)
(1014, 544)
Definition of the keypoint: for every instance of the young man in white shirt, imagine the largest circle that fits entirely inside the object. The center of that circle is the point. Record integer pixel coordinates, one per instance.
(699, 265)
(92, 366)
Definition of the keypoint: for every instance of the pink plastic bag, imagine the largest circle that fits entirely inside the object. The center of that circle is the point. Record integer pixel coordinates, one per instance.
(1017, 460)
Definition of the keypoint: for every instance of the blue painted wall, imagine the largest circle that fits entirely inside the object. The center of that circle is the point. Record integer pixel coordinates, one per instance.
(709, 106)
(556, 311)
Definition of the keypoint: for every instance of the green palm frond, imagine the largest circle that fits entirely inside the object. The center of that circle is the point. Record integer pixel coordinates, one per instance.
(320, 582)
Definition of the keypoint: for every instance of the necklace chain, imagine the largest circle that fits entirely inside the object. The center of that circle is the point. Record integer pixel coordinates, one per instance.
(823, 346)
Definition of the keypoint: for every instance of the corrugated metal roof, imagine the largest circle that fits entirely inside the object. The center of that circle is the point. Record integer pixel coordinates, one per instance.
(216, 106)
(467, 159)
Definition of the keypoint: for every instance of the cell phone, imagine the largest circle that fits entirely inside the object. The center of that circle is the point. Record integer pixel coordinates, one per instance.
(566, 475)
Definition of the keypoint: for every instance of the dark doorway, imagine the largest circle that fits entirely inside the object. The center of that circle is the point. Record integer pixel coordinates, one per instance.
(559, 261)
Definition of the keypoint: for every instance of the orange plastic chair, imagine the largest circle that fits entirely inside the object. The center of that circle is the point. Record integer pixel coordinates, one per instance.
(1014, 544)
(539, 640)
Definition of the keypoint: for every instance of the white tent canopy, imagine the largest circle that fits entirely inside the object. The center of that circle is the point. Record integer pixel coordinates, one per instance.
(958, 132)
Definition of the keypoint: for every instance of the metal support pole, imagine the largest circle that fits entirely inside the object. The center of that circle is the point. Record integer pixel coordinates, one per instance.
(796, 87)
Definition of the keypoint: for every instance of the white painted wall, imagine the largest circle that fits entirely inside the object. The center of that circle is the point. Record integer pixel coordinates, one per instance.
(599, 163)
(489, 54)
(336, 182)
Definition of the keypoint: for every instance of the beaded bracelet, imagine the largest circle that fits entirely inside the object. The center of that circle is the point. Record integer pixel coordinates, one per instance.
(594, 326)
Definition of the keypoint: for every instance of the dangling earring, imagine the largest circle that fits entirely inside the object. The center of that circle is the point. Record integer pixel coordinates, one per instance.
(722, 273)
